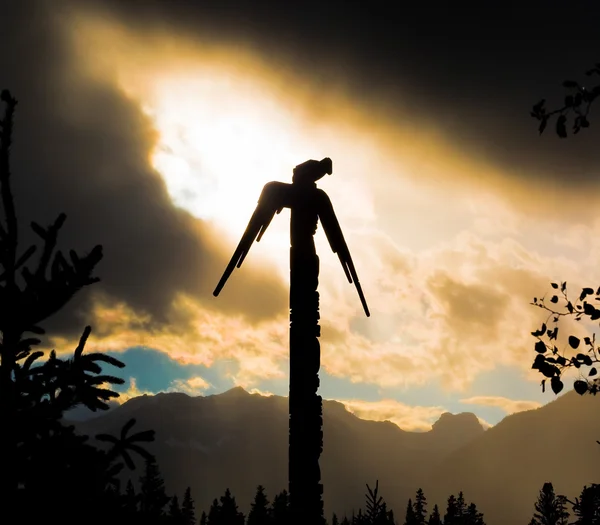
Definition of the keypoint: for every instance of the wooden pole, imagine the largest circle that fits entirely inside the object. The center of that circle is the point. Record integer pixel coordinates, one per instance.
(305, 405)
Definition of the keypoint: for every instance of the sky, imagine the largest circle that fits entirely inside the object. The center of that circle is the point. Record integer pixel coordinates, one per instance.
(154, 125)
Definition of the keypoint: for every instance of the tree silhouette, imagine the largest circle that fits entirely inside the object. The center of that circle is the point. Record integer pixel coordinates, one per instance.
(458, 512)
(281, 508)
(175, 515)
(376, 510)
(461, 504)
(552, 361)
(259, 512)
(188, 509)
(229, 510)
(435, 518)
(550, 508)
(577, 104)
(376, 507)
(43, 459)
(473, 516)
(420, 507)
(153, 497)
(130, 503)
(214, 513)
(452, 511)
(587, 507)
(359, 519)
(224, 511)
(410, 518)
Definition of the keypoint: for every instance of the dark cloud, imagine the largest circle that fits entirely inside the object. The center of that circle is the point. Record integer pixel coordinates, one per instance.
(475, 310)
(475, 70)
(82, 148)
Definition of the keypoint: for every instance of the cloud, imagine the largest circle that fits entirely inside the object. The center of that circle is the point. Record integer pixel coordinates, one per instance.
(264, 393)
(435, 318)
(510, 406)
(447, 304)
(131, 392)
(81, 146)
(450, 313)
(193, 386)
(485, 123)
(410, 418)
(192, 335)
(484, 423)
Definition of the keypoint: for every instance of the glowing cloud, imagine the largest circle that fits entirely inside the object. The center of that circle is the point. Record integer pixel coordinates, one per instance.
(448, 259)
(194, 386)
(510, 406)
(410, 418)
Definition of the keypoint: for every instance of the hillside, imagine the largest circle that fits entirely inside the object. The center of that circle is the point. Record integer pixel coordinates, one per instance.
(239, 440)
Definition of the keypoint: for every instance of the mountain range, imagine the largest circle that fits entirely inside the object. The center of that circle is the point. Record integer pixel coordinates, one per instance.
(239, 440)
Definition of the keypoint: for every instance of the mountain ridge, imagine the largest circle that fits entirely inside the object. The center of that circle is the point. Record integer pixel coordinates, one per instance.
(238, 440)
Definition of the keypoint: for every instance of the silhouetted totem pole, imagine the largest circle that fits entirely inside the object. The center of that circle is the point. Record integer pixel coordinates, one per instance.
(308, 204)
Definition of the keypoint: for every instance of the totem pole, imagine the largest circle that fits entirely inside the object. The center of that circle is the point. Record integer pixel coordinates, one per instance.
(308, 204)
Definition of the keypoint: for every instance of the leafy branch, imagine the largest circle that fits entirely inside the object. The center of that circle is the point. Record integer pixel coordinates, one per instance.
(552, 362)
(125, 444)
(375, 505)
(577, 104)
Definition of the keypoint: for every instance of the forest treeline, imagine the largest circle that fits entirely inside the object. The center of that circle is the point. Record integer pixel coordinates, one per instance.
(150, 505)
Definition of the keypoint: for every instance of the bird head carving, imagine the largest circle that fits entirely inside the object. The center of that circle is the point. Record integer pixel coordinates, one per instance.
(312, 170)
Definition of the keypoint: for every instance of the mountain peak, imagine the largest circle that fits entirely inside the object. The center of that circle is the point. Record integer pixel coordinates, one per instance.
(235, 392)
(463, 424)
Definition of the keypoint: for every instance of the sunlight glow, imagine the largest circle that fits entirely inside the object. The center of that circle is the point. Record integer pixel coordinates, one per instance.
(223, 136)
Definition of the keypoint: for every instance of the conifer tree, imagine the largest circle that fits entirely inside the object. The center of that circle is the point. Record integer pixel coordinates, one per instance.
(175, 515)
(420, 507)
(334, 519)
(411, 518)
(550, 508)
(587, 507)
(130, 499)
(376, 507)
(230, 514)
(359, 519)
(204, 518)
(188, 510)
(259, 511)
(435, 518)
(390, 517)
(153, 497)
(281, 508)
(473, 516)
(452, 512)
(461, 504)
(214, 513)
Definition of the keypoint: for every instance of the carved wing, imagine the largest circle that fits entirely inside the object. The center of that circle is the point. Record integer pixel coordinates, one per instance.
(274, 197)
(334, 234)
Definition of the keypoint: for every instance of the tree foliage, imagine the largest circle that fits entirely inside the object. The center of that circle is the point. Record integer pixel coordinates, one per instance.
(575, 108)
(43, 460)
(587, 507)
(550, 509)
(583, 356)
